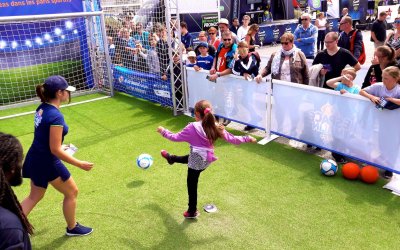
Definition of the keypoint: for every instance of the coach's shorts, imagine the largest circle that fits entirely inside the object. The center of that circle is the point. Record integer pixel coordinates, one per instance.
(42, 169)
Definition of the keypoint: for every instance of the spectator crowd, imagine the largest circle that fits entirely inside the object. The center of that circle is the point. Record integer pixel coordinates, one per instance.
(232, 49)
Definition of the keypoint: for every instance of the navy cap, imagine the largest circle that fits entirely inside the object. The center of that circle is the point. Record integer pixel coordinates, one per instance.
(203, 44)
(56, 83)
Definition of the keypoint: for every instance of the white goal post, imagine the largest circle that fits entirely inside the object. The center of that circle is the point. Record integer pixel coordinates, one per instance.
(34, 47)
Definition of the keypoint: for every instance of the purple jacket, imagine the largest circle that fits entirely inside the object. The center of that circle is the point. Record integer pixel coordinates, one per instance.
(194, 134)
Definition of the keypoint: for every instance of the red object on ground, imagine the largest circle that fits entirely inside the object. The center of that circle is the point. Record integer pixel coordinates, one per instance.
(369, 174)
(350, 171)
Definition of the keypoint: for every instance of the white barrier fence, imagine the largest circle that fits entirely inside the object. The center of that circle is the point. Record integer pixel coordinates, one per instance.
(346, 124)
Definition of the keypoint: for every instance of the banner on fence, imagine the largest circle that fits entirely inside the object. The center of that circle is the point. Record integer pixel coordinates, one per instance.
(231, 97)
(143, 85)
(347, 124)
(39, 7)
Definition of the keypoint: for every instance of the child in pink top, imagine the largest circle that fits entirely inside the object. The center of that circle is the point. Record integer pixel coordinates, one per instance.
(201, 135)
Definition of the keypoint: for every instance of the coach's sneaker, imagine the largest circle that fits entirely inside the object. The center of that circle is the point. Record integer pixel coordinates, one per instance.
(191, 215)
(167, 156)
(79, 230)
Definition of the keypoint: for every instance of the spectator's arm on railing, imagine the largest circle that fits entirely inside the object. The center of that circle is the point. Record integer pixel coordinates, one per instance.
(372, 98)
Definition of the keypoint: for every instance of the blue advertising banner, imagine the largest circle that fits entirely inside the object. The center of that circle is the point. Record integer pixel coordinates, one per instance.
(143, 85)
(39, 7)
(271, 33)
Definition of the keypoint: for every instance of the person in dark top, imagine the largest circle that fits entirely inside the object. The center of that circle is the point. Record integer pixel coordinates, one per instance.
(204, 60)
(162, 52)
(383, 58)
(43, 163)
(235, 25)
(250, 37)
(14, 226)
(378, 30)
(345, 37)
(334, 59)
(186, 38)
(248, 64)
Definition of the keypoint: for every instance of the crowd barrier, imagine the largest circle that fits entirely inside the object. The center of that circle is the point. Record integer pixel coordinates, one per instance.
(143, 85)
(346, 124)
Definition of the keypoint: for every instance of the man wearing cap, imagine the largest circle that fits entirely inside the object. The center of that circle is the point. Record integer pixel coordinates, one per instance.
(204, 60)
(203, 38)
(378, 30)
(223, 25)
(305, 36)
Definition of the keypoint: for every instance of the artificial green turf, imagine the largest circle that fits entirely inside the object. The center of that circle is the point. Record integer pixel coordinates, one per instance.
(269, 197)
(18, 84)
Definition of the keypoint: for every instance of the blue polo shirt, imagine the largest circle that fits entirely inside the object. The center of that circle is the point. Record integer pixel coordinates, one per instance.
(187, 40)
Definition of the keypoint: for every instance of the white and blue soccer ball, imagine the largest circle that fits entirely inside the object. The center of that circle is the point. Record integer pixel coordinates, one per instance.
(144, 161)
(328, 167)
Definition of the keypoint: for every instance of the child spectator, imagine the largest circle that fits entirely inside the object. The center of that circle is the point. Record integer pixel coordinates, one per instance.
(344, 83)
(151, 56)
(201, 135)
(247, 64)
(389, 89)
(191, 59)
(204, 60)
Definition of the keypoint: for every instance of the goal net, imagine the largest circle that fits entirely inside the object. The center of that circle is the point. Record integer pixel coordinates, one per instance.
(139, 49)
(32, 48)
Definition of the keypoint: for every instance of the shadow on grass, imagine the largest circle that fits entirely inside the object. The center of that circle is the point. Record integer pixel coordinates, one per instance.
(56, 243)
(135, 184)
(175, 236)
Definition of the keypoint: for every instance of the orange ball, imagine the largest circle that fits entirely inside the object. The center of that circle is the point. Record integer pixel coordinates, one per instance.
(350, 171)
(369, 174)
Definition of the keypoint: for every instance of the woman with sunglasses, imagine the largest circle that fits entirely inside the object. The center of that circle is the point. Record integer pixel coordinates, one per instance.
(393, 38)
(250, 38)
(214, 41)
(288, 64)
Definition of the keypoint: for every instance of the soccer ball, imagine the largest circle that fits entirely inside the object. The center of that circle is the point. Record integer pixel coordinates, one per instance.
(328, 167)
(144, 161)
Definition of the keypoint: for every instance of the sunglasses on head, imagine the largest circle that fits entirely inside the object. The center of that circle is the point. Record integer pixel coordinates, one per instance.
(227, 39)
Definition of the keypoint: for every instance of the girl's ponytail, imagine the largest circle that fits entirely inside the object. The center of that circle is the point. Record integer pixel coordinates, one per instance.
(208, 121)
(40, 93)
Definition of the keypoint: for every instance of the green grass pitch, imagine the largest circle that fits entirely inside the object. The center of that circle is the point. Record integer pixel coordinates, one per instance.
(269, 197)
(18, 84)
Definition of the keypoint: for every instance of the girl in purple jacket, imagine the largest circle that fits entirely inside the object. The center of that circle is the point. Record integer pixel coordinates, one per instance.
(201, 135)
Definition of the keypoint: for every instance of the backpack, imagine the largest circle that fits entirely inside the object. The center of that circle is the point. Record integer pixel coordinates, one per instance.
(363, 56)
